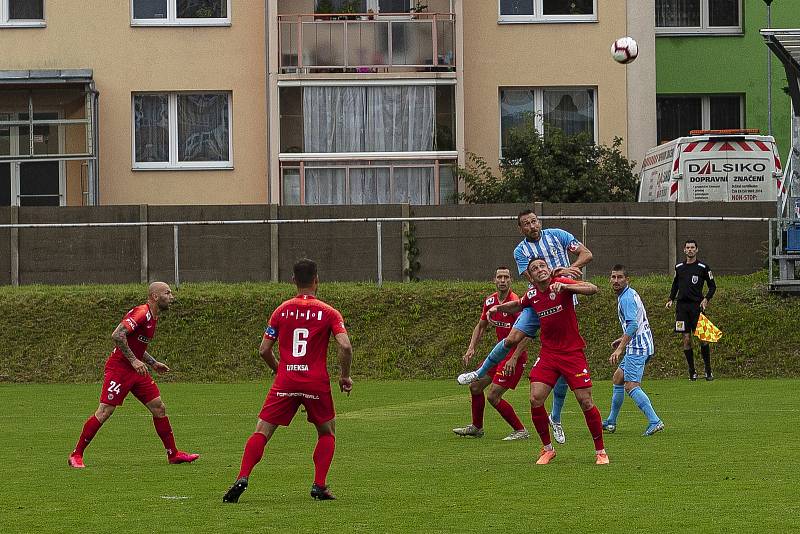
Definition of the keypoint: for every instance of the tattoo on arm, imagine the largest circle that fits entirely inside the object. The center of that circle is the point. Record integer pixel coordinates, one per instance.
(120, 337)
(149, 360)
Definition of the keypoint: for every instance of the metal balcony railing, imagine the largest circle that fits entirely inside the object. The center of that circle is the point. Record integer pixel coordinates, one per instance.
(366, 42)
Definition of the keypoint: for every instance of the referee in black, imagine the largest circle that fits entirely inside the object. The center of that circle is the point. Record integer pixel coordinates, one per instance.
(687, 287)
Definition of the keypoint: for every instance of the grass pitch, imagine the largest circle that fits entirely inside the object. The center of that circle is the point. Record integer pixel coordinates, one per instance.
(726, 462)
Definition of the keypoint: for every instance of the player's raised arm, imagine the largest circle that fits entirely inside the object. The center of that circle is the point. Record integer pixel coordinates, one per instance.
(511, 307)
(120, 337)
(265, 351)
(581, 288)
(345, 359)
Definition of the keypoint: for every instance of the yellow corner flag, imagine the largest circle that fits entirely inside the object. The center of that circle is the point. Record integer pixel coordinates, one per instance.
(706, 331)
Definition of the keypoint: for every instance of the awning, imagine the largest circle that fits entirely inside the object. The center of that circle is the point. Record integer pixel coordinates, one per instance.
(45, 76)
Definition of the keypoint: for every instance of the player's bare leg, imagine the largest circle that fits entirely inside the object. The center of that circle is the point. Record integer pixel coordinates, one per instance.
(593, 421)
(164, 431)
(253, 451)
(90, 429)
(541, 421)
(477, 404)
(323, 456)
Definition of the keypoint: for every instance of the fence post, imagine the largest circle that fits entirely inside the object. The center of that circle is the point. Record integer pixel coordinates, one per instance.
(583, 240)
(405, 228)
(14, 247)
(274, 264)
(175, 254)
(672, 236)
(380, 253)
(144, 267)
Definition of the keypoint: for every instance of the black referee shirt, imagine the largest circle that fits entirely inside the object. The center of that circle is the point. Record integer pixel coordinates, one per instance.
(687, 285)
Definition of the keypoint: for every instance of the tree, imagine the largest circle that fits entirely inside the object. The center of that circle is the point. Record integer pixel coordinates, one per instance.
(554, 167)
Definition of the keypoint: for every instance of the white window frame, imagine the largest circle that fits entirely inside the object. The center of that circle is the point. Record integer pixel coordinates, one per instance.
(704, 28)
(538, 108)
(174, 163)
(173, 20)
(21, 23)
(705, 106)
(539, 16)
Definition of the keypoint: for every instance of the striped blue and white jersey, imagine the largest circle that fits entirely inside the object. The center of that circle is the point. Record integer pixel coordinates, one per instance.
(633, 318)
(554, 247)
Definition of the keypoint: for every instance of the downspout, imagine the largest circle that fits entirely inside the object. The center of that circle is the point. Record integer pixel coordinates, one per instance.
(94, 164)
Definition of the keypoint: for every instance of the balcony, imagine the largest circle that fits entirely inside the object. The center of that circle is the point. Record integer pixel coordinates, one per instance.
(366, 43)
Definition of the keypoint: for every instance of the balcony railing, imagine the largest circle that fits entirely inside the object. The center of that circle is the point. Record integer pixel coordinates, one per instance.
(367, 42)
(368, 178)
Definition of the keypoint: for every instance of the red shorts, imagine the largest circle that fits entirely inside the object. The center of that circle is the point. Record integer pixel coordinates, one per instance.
(120, 378)
(572, 366)
(280, 406)
(509, 382)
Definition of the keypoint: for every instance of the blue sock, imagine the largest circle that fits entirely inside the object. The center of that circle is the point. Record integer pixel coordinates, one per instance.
(617, 396)
(497, 355)
(643, 402)
(559, 395)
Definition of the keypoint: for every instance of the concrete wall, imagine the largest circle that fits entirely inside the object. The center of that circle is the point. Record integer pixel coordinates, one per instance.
(467, 250)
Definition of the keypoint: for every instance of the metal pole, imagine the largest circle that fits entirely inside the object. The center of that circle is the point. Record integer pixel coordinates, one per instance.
(769, 71)
(380, 254)
(175, 254)
(583, 240)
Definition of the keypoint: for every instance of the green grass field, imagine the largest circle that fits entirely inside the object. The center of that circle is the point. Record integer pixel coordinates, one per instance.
(726, 462)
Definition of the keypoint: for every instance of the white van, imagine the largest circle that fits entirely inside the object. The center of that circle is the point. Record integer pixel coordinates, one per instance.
(712, 165)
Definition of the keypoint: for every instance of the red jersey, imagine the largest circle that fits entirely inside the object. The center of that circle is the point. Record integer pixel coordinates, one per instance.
(559, 324)
(141, 326)
(506, 320)
(303, 327)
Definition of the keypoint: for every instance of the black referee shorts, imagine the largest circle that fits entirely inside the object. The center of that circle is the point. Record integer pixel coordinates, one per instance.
(687, 314)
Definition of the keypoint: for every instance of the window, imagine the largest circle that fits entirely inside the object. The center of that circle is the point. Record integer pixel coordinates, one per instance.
(180, 12)
(678, 114)
(362, 6)
(698, 16)
(22, 13)
(547, 10)
(571, 110)
(182, 130)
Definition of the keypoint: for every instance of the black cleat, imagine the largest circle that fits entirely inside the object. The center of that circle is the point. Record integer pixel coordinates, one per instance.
(709, 378)
(693, 377)
(235, 491)
(321, 493)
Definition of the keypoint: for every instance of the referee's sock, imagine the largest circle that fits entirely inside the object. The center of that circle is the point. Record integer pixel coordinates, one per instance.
(643, 402)
(497, 355)
(705, 352)
(690, 360)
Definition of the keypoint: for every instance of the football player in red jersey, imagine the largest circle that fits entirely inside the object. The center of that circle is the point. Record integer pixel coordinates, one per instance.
(302, 326)
(561, 352)
(500, 382)
(126, 371)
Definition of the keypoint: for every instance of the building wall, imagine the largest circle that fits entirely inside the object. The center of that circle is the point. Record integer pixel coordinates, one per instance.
(126, 59)
(733, 64)
(548, 54)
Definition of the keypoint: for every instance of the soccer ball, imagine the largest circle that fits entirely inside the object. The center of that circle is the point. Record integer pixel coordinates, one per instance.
(624, 50)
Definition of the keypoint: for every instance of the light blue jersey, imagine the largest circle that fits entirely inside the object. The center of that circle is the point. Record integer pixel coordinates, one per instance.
(553, 247)
(633, 318)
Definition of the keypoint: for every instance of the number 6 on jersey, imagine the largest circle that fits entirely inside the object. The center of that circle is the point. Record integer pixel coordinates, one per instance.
(299, 342)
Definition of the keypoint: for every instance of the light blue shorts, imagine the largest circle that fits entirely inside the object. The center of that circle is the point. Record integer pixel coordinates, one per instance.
(632, 366)
(528, 322)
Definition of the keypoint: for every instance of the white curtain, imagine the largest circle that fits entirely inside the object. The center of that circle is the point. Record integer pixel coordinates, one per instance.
(677, 13)
(570, 111)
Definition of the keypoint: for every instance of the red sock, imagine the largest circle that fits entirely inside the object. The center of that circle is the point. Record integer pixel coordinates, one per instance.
(507, 411)
(90, 428)
(542, 423)
(595, 423)
(164, 431)
(323, 456)
(253, 451)
(478, 405)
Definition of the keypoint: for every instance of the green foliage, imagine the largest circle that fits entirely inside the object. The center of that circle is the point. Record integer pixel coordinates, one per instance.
(398, 468)
(411, 249)
(554, 167)
(212, 332)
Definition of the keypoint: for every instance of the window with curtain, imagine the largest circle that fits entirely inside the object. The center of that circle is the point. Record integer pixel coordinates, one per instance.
(704, 16)
(677, 115)
(570, 110)
(182, 130)
(176, 12)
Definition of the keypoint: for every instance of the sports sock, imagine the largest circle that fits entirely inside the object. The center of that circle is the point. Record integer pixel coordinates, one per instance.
(643, 402)
(541, 423)
(705, 352)
(164, 431)
(507, 412)
(497, 355)
(478, 405)
(90, 428)
(617, 397)
(253, 451)
(595, 424)
(323, 456)
(559, 396)
(690, 360)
